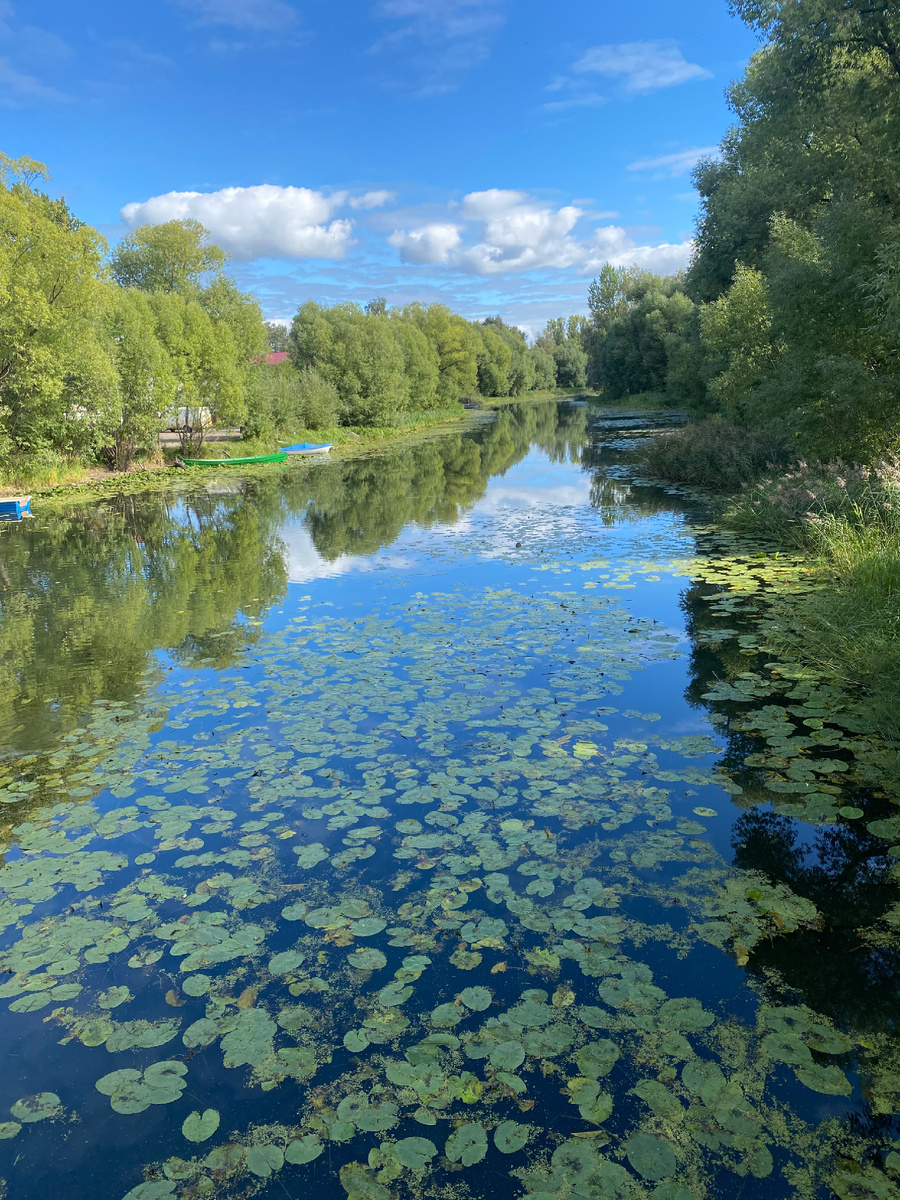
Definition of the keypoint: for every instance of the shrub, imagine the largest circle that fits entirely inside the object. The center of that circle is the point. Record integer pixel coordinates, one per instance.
(319, 403)
(714, 454)
(821, 505)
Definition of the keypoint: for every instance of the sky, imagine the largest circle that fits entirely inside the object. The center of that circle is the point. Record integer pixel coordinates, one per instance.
(490, 155)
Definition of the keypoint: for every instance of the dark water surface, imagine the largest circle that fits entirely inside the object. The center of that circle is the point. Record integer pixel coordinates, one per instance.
(425, 825)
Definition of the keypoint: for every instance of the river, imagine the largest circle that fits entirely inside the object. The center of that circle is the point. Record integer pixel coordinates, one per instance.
(433, 824)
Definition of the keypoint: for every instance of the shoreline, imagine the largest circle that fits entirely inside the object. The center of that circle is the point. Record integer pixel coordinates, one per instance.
(350, 442)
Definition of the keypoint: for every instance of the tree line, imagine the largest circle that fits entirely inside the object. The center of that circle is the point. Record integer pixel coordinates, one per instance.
(101, 351)
(788, 318)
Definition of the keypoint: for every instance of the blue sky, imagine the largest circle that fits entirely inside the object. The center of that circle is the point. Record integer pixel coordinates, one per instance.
(487, 154)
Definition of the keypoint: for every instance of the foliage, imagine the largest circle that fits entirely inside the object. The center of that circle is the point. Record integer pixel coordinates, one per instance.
(283, 401)
(171, 257)
(713, 453)
(51, 301)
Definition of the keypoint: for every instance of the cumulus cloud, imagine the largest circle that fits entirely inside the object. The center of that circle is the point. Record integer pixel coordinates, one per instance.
(644, 66)
(510, 232)
(436, 41)
(371, 199)
(241, 14)
(256, 222)
(672, 165)
(433, 243)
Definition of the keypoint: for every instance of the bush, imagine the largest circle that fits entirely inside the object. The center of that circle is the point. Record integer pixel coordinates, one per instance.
(714, 454)
(318, 402)
(819, 506)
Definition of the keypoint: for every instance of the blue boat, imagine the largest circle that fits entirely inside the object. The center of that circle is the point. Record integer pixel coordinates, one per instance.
(14, 508)
(306, 448)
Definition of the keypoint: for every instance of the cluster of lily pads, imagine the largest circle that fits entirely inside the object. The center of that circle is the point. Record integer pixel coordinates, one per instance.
(335, 860)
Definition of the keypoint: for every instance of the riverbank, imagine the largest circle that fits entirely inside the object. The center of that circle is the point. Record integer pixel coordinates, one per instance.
(845, 522)
(72, 478)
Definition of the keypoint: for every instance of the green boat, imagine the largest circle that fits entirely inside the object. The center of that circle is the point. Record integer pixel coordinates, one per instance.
(253, 460)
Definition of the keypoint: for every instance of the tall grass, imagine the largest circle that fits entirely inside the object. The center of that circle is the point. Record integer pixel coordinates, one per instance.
(848, 519)
(714, 454)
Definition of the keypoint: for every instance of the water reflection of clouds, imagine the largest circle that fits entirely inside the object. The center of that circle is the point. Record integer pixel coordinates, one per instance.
(304, 562)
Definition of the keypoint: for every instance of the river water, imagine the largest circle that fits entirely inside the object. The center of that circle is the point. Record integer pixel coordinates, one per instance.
(427, 824)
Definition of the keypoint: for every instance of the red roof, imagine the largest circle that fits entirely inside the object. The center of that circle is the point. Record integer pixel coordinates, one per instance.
(275, 356)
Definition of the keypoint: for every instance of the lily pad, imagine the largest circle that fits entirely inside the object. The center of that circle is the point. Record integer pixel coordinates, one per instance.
(414, 1152)
(199, 1126)
(367, 958)
(446, 1015)
(196, 985)
(304, 1149)
(651, 1156)
(476, 998)
(467, 1145)
(265, 1160)
(39, 1107)
(308, 856)
(510, 1136)
(9, 1129)
(507, 1056)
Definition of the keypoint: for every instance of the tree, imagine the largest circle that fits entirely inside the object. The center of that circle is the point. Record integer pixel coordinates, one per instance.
(635, 351)
(51, 300)
(358, 354)
(172, 257)
(457, 345)
(206, 365)
(571, 365)
(420, 362)
(376, 307)
(276, 336)
(493, 364)
(145, 382)
(520, 371)
(544, 369)
(562, 340)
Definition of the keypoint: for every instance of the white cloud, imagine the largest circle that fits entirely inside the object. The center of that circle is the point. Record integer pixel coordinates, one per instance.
(371, 199)
(579, 95)
(256, 222)
(241, 14)
(18, 90)
(431, 244)
(672, 165)
(26, 54)
(437, 41)
(644, 66)
(514, 233)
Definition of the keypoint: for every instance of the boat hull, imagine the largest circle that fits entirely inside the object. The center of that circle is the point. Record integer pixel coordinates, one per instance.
(253, 460)
(306, 448)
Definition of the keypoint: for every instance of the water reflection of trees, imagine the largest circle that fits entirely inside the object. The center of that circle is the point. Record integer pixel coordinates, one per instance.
(836, 969)
(87, 596)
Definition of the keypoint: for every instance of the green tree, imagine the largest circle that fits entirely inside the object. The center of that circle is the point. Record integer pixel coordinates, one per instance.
(144, 378)
(521, 371)
(174, 256)
(493, 364)
(276, 337)
(51, 299)
(206, 365)
(544, 369)
(420, 362)
(457, 345)
(358, 354)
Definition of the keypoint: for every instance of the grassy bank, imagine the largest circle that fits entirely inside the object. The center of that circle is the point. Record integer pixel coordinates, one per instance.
(71, 478)
(72, 475)
(845, 518)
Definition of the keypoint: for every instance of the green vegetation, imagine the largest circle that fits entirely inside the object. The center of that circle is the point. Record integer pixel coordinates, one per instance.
(782, 337)
(99, 352)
